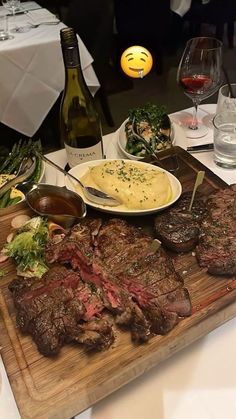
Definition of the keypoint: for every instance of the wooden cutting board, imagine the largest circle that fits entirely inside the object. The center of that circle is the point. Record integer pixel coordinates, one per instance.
(64, 386)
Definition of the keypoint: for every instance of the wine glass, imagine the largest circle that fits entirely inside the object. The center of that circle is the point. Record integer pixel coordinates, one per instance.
(13, 6)
(199, 75)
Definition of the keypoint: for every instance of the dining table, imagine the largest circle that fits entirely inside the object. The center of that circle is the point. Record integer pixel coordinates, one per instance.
(197, 382)
(32, 73)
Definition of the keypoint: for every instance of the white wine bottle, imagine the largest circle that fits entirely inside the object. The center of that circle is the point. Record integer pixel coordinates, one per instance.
(80, 127)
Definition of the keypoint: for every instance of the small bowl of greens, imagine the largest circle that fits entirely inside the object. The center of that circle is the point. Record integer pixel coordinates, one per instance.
(150, 122)
(9, 165)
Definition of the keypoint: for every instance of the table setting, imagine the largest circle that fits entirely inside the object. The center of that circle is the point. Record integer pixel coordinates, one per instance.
(22, 61)
(132, 282)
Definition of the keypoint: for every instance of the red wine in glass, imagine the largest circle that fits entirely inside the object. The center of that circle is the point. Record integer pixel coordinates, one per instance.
(199, 75)
(198, 84)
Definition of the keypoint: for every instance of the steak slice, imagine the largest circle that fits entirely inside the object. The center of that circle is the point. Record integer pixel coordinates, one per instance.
(55, 309)
(139, 285)
(217, 244)
(125, 255)
(77, 248)
(177, 228)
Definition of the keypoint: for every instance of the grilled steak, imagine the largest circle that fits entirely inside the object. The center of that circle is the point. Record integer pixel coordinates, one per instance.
(140, 285)
(177, 228)
(124, 255)
(59, 308)
(217, 242)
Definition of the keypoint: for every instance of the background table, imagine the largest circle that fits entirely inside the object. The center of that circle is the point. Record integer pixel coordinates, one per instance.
(32, 74)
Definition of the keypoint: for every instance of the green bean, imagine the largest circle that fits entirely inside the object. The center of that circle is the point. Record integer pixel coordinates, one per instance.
(5, 198)
(37, 171)
(13, 201)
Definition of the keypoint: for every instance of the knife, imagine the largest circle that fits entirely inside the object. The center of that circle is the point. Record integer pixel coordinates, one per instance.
(200, 148)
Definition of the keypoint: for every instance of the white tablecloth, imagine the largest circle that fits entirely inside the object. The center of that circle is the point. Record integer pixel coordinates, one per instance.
(199, 382)
(32, 75)
(180, 6)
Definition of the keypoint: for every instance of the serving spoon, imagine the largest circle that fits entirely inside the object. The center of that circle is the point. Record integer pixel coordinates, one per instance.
(150, 150)
(25, 170)
(92, 194)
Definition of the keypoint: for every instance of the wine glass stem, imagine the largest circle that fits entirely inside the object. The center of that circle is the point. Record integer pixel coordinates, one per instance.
(13, 16)
(194, 122)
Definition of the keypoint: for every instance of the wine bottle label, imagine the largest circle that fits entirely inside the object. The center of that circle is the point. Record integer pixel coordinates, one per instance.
(81, 155)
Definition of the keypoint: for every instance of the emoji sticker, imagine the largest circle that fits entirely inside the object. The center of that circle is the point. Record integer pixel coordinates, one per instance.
(136, 61)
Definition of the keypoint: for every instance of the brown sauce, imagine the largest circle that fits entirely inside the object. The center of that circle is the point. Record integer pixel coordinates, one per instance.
(56, 205)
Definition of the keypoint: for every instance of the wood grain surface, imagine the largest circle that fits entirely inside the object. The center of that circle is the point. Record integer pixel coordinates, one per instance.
(64, 386)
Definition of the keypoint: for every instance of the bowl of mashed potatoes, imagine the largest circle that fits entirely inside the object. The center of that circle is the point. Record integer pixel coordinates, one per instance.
(141, 188)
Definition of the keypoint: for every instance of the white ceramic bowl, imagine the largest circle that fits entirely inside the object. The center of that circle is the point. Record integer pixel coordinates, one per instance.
(122, 140)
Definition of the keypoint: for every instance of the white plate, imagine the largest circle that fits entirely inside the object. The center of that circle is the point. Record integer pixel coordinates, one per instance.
(81, 169)
(177, 135)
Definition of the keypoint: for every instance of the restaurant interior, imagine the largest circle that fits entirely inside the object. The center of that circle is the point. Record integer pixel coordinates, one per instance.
(108, 28)
(186, 376)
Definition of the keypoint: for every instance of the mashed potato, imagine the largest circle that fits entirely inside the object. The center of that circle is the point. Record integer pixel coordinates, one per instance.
(136, 186)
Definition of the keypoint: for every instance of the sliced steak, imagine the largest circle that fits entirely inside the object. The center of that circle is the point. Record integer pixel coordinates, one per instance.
(54, 309)
(149, 277)
(217, 244)
(177, 228)
(77, 248)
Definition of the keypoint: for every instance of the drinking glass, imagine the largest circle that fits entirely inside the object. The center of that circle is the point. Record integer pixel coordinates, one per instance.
(199, 75)
(4, 35)
(225, 102)
(225, 139)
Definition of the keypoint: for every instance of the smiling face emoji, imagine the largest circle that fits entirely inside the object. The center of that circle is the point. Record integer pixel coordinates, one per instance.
(136, 61)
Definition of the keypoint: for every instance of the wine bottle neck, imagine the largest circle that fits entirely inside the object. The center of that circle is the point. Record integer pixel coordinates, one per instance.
(71, 57)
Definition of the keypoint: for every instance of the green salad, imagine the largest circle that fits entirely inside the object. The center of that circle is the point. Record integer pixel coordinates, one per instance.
(27, 248)
(153, 124)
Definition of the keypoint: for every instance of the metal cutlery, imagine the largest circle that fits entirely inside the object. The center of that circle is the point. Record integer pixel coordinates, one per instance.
(26, 169)
(36, 25)
(151, 151)
(92, 194)
(201, 148)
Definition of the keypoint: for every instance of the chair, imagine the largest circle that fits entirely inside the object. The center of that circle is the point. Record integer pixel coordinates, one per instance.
(93, 21)
(215, 12)
(145, 23)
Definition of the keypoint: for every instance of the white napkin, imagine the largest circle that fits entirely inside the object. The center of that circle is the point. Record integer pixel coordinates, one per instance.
(30, 5)
(205, 116)
(41, 16)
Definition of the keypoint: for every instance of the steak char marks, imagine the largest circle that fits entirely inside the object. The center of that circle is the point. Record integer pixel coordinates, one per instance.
(60, 308)
(217, 242)
(177, 228)
(140, 285)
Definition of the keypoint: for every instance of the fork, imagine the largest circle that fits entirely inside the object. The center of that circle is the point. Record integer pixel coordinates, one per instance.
(36, 25)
